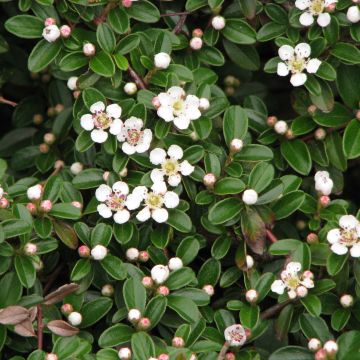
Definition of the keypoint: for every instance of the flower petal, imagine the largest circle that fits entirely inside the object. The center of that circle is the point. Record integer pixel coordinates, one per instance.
(160, 215)
(156, 175)
(186, 168)
(302, 4)
(121, 216)
(104, 211)
(121, 187)
(134, 123)
(339, 249)
(133, 201)
(192, 112)
(102, 192)
(348, 222)
(333, 236)
(298, 79)
(324, 19)
(157, 156)
(97, 107)
(171, 200)
(182, 122)
(116, 127)
(303, 50)
(144, 214)
(282, 69)
(286, 52)
(176, 92)
(174, 180)
(313, 66)
(278, 287)
(128, 149)
(114, 110)
(166, 113)
(99, 136)
(175, 152)
(306, 19)
(87, 122)
(355, 250)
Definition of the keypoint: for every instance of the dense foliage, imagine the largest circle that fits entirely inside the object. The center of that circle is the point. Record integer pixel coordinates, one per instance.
(172, 179)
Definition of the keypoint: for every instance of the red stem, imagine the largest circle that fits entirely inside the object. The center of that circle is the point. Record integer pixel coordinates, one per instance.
(176, 14)
(138, 80)
(178, 27)
(40, 326)
(271, 236)
(7, 102)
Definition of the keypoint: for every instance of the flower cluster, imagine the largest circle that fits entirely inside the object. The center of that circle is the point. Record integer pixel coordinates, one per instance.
(315, 8)
(295, 283)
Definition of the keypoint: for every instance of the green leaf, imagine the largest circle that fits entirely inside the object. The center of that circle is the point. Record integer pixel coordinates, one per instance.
(101, 234)
(297, 155)
(43, 54)
(235, 123)
(81, 269)
(115, 335)
(66, 234)
(249, 315)
(312, 304)
(346, 52)
(134, 294)
(192, 5)
(314, 327)
(14, 227)
(335, 263)
(102, 64)
(114, 267)
(73, 61)
(25, 271)
(155, 309)
(43, 227)
(184, 307)
(65, 211)
(351, 140)
(239, 32)
(142, 346)
(349, 90)
(291, 353)
(224, 210)
(25, 26)
(229, 185)
(118, 20)
(261, 176)
(144, 11)
(254, 152)
(348, 344)
(288, 204)
(105, 37)
(340, 318)
(91, 95)
(94, 310)
(88, 179)
(179, 220)
(270, 31)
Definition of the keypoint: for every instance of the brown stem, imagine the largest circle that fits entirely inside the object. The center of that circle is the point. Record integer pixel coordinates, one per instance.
(40, 327)
(271, 311)
(102, 17)
(223, 351)
(7, 102)
(176, 14)
(179, 25)
(138, 80)
(271, 236)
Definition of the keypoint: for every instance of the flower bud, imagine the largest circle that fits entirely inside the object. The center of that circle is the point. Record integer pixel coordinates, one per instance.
(75, 318)
(289, 134)
(132, 254)
(178, 342)
(51, 111)
(38, 265)
(59, 164)
(230, 356)
(331, 347)
(134, 315)
(193, 357)
(49, 138)
(30, 249)
(163, 290)
(250, 197)
(160, 273)
(357, 114)
(46, 206)
(312, 109)
(67, 309)
(162, 60)
(130, 88)
(346, 301)
(76, 168)
(163, 357)
(204, 104)
(124, 353)
(107, 290)
(353, 14)
(51, 33)
(65, 31)
(31, 207)
(320, 355)
(49, 21)
(209, 180)
(324, 200)
(314, 344)
(218, 22)
(99, 252)
(251, 296)
(229, 90)
(76, 94)
(301, 291)
(106, 175)
(280, 127)
(312, 238)
(38, 119)
(147, 281)
(59, 108)
(196, 43)
(320, 134)
(175, 263)
(126, 3)
(44, 148)
(271, 120)
(249, 261)
(123, 172)
(34, 192)
(209, 289)
(144, 323)
(308, 274)
(330, 7)
(77, 204)
(4, 203)
(155, 102)
(89, 49)
(144, 256)
(72, 83)
(197, 33)
(51, 356)
(236, 145)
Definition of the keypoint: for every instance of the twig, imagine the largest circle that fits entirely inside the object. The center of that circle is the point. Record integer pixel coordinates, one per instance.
(224, 349)
(138, 80)
(40, 327)
(271, 311)
(7, 102)
(179, 25)
(176, 14)
(102, 17)
(271, 236)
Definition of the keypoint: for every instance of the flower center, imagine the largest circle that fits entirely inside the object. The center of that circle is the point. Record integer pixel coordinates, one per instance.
(297, 65)
(178, 106)
(236, 335)
(170, 167)
(316, 7)
(349, 237)
(134, 136)
(102, 121)
(116, 201)
(154, 201)
(292, 282)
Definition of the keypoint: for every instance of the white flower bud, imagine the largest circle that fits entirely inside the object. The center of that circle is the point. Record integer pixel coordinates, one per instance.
(251, 296)
(34, 192)
(130, 88)
(99, 252)
(76, 168)
(249, 261)
(123, 172)
(51, 33)
(107, 290)
(250, 197)
(75, 318)
(281, 127)
(132, 254)
(175, 263)
(314, 344)
(30, 249)
(51, 356)
(353, 14)
(236, 145)
(162, 60)
(72, 83)
(346, 301)
(89, 49)
(301, 291)
(124, 353)
(209, 289)
(218, 22)
(204, 104)
(160, 273)
(134, 315)
(196, 43)
(331, 347)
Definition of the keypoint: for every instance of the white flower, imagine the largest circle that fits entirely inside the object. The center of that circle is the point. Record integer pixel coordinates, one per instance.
(72, 82)
(133, 138)
(75, 318)
(99, 252)
(281, 127)
(295, 61)
(170, 165)
(250, 197)
(162, 60)
(116, 200)
(177, 107)
(175, 263)
(154, 202)
(134, 315)
(76, 168)
(130, 88)
(235, 335)
(347, 236)
(218, 22)
(51, 33)
(295, 283)
(313, 8)
(2, 192)
(34, 192)
(100, 120)
(132, 254)
(353, 14)
(323, 183)
(160, 273)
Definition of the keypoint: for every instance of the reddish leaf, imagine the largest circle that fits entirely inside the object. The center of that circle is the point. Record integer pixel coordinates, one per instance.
(66, 234)
(13, 315)
(62, 328)
(60, 293)
(254, 231)
(25, 328)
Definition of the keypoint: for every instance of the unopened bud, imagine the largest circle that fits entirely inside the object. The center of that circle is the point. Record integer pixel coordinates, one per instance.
(76, 94)
(123, 172)
(324, 200)
(346, 301)
(314, 344)
(197, 33)
(59, 108)
(196, 43)
(49, 21)
(271, 120)
(38, 119)
(89, 49)
(30, 249)
(230, 356)
(218, 22)
(320, 355)
(76, 168)
(209, 180)
(163, 357)
(320, 134)
(134, 315)
(251, 296)
(229, 90)
(230, 80)
(312, 238)
(144, 323)
(357, 115)
(31, 207)
(67, 309)
(51, 356)
(106, 175)
(44, 148)
(59, 164)
(65, 31)
(178, 342)
(331, 7)
(77, 204)
(46, 206)
(147, 281)
(49, 138)
(209, 289)
(312, 109)
(75, 318)
(204, 104)
(331, 347)
(130, 88)
(107, 290)
(301, 291)
(132, 254)
(124, 353)
(155, 102)
(144, 256)
(289, 134)
(126, 3)
(4, 203)
(51, 111)
(281, 127)
(236, 145)
(249, 261)
(163, 290)
(84, 251)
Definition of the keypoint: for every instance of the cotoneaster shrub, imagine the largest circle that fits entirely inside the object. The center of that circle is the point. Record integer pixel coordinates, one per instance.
(179, 180)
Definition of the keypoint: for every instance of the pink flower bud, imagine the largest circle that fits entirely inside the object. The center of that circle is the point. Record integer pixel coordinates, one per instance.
(155, 102)
(209, 180)
(49, 21)
(271, 120)
(311, 109)
(357, 115)
(67, 309)
(163, 290)
(49, 138)
(144, 323)
(77, 204)
(51, 356)
(4, 203)
(106, 175)
(59, 108)
(89, 49)
(84, 251)
(321, 355)
(46, 205)
(30, 249)
(76, 94)
(163, 357)
(346, 301)
(143, 256)
(107, 290)
(301, 291)
(196, 43)
(330, 7)
(320, 134)
(38, 119)
(44, 148)
(312, 238)
(209, 289)
(147, 281)
(247, 333)
(324, 200)
(236, 145)
(197, 33)
(124, 353)
(65, 31)
(59, 164)
(178, 342)
(126, 3)
(31, 207)
(308, 274)
(251, 296)
(230, 356)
